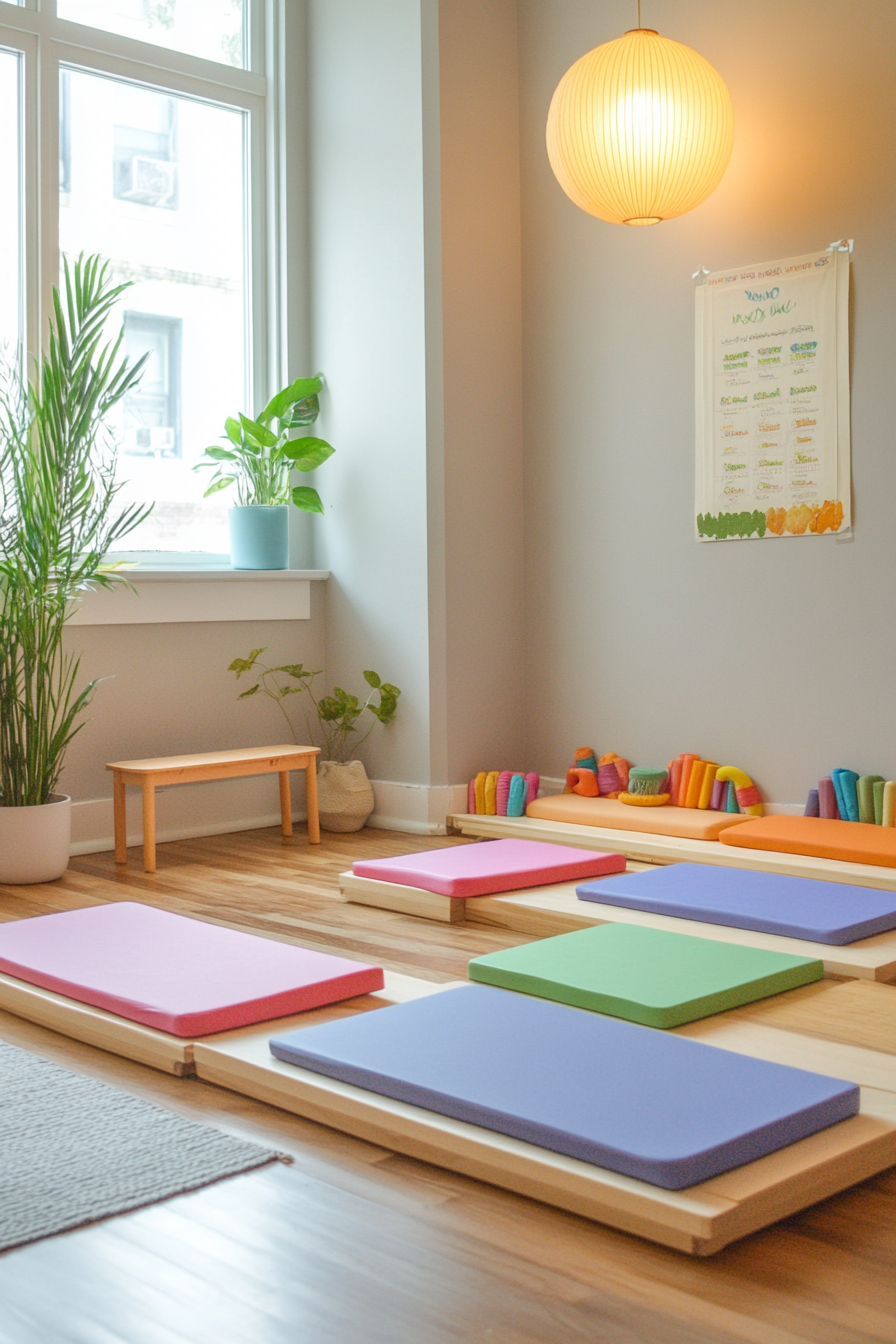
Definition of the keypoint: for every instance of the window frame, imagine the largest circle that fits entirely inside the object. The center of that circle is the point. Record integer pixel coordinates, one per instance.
(46, 43)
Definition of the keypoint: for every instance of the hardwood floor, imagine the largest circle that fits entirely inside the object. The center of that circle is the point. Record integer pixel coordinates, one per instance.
(352, 1242)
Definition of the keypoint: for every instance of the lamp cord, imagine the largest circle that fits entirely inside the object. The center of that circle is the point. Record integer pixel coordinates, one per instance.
(639, 13)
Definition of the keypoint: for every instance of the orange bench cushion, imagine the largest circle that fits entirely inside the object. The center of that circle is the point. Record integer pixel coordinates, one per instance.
(688, 823)
(854, 841)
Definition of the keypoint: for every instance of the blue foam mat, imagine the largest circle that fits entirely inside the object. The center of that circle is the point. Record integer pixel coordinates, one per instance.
(658, 1107)
(797, 907)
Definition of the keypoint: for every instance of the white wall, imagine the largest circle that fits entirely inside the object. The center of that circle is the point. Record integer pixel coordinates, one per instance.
(776, 656)
(366, 189)
(415, 285)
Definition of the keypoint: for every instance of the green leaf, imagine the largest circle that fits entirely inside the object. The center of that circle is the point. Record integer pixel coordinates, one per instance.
(266, 438)
(251, 691)
(306, 498)
(221, 454)
(221, 484)
(234, 432)
(372, 679)
(303, 413)
(301, 390)
(241, 665)
(308, 453)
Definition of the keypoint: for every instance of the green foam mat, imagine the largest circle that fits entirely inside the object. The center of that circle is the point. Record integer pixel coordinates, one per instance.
(645, 975)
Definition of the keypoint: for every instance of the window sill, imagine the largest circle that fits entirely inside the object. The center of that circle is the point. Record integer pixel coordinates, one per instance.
(162, 596)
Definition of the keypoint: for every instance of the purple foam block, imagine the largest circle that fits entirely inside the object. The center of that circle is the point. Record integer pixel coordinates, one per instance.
(812, 804)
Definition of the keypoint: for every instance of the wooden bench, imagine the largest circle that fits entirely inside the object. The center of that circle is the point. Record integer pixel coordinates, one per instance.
(203, 766)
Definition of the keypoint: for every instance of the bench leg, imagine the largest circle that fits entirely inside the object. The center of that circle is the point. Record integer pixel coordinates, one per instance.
(149, 827)
(311, 800)
(121, 819)
(285, 803)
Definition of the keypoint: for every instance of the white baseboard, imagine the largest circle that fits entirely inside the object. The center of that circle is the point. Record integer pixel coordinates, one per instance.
(232, 805)
(420, 809)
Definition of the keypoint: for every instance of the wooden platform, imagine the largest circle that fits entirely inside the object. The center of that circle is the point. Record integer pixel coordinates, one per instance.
(660, 849)
(451, 1255)
(158, 1049)
(700, 1220)
(542, 912)
(404, 900)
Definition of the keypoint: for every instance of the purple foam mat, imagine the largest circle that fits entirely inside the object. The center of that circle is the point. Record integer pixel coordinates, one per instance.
(797, 907)
(658, 1107)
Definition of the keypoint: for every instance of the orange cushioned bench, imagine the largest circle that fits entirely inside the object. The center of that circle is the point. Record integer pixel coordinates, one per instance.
(820, 838)
(687, 823)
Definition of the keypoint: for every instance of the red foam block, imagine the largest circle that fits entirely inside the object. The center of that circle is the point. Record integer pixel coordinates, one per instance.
(491, 866)
(175, 974)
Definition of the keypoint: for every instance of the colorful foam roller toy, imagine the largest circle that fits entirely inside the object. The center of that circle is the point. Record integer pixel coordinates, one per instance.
(745, 790)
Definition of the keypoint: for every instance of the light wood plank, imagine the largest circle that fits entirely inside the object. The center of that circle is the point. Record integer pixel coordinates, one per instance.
(266, 759)
(699, 1221)
(81, 1022)
(544, 911)
(860, 1012)
(159, 1049)
(423, 904)
(405, 900)
(662, 849)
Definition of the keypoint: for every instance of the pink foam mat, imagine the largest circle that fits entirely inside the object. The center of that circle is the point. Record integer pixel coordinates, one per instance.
(175, 974)
(490, 866)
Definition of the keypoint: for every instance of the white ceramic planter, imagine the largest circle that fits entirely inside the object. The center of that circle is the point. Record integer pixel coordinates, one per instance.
(345, 798)
(35, 841)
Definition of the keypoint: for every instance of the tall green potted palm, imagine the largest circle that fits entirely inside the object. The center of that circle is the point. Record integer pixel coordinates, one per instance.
(59, 518)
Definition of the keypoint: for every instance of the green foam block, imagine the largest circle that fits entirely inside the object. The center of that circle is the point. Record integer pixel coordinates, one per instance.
(644, 975)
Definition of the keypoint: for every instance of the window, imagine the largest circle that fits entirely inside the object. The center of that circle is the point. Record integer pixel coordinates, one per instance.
(213, 29)
(162, 171)
(10, 209)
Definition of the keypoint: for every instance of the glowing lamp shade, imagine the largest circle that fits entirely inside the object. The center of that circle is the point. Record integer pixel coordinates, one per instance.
(640, 129)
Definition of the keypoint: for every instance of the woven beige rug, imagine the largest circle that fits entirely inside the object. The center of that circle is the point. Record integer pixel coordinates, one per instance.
(74, 1150)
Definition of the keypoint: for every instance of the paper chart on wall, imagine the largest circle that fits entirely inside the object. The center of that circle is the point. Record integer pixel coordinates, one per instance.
(773, 452)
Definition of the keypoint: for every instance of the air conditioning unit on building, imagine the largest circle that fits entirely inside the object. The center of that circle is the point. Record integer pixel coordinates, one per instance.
(148, 181)
(146, 441)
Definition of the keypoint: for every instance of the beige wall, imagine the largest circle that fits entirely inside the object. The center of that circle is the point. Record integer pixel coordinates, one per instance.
(776, 656)
(415, 320)
(169, 691)
(482, 361)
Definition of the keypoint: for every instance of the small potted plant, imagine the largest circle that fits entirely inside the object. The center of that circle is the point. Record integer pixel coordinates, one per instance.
(58, 520)
(345, 796)
(258, 458)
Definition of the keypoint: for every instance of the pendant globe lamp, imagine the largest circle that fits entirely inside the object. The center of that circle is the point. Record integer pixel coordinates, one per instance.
(640, 129)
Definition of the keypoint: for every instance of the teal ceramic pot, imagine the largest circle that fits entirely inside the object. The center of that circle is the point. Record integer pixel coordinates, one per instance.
(259, 536)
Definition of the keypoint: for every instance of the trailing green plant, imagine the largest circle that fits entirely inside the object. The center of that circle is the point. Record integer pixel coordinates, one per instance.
(260, 454)
(58, 521)
(336, 714)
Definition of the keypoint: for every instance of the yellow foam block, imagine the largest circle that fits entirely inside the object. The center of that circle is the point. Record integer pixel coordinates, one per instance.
(688, 823)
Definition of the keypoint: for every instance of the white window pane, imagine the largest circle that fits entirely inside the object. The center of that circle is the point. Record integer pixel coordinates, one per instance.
(214, 29)
(10, 209)
(155, 183)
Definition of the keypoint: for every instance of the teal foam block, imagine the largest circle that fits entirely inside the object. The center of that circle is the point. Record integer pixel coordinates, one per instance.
(845, 782)
(649, 976)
